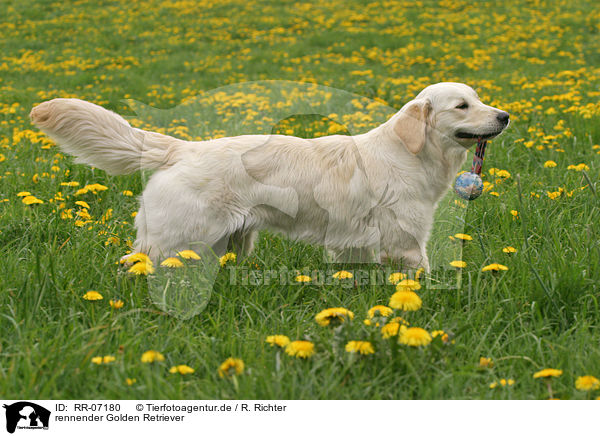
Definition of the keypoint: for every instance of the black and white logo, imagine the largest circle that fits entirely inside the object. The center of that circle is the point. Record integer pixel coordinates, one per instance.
(26, 415)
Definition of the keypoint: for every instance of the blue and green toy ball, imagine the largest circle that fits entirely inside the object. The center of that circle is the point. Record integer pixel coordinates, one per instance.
(469, 186)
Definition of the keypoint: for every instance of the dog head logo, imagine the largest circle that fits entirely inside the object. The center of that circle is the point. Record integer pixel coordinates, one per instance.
(26, 415)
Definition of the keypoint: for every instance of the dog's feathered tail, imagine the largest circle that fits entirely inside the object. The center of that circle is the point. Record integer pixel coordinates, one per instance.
(103, 139)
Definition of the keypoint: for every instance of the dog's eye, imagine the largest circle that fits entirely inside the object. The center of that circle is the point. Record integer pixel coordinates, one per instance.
(462, 106)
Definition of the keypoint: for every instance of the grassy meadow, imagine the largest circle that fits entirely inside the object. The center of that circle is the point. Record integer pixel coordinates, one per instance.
(538, 60)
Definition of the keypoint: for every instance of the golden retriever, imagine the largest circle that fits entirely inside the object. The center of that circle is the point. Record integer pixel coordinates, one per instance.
(377, 190)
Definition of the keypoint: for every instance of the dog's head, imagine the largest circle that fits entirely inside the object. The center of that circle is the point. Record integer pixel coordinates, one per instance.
(451, 115)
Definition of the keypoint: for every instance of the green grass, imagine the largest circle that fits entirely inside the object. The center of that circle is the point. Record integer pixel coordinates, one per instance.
(540, 63)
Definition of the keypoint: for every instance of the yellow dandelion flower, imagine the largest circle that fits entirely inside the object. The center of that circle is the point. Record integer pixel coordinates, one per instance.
(99, 360)
(390, 329)
(494, 267)
(548, 372)
(361, 347)
(587, 383)
(579, 167)
(442, 334)
(137, 257)
(70, 184)
(227, 257)
(502, 382)
(84, 214)
(400, 320)
(172, 262)
(418, 273)
(302, 278)
(130, 381)
(141, 268)
(408, 285)
(152, 356)
(494, 193)
(336, 315)
(394, 278)
(405, 300)
(24, 194)
(96, 187)
(458, 264)
(279, 340)
(549, 164)
(502, 173)
(343, 275)
(127, 193)
(181, 369)
(31, 199)
(486, 362)
(415, 337)
(116, 304)
(82, 204)
(509, 250)
(92, 296)
(300, 349)
(231, 366)
(553, 195)
(379, 310)
(189, 254)
(463, 236)
(112, 240)
(515, 214)
(82, 191)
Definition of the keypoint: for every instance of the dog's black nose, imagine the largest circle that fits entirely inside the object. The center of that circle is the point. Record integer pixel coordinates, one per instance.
(503, 117)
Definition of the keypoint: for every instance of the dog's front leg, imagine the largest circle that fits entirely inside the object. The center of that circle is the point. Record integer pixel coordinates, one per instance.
(404, 249)
(406, 259)
(403, 237)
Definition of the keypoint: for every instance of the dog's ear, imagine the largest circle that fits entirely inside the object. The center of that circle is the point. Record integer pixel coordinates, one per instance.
(411, 124)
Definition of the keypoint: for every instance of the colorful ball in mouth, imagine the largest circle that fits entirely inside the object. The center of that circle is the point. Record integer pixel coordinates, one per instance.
(468, 186)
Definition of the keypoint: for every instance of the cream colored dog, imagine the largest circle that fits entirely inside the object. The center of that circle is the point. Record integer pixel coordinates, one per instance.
(376, 190)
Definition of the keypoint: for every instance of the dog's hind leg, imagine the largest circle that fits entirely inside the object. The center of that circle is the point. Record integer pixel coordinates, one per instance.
(242, 242)
(145, 241)
(173, 218)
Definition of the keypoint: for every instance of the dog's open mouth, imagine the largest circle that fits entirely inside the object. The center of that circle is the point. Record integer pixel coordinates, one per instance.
(467, 135)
